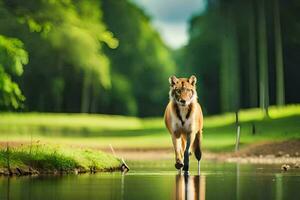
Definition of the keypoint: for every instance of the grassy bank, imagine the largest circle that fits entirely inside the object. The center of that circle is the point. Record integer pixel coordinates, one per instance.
(42, 159)
(98, 131)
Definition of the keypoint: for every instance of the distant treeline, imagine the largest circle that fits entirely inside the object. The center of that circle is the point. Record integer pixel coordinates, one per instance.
(245, 53)
(94, 56)
(103, 56)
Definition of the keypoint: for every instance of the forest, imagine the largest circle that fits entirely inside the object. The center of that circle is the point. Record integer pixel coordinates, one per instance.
(246, 54)
(105, 56)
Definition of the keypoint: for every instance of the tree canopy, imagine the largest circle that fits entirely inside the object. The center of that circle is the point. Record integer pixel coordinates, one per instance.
(84, 60)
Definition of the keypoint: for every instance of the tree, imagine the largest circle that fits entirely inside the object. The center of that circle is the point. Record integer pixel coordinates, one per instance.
(229, 69)
(263, 57)
(280, 94)
(252, 88)
(71, 34)
(13, 57)
(141, 58)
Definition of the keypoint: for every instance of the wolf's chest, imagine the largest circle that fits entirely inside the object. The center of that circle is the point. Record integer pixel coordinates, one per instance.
(182, 122)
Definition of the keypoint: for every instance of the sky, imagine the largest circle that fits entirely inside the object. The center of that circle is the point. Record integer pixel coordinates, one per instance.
(171, 18)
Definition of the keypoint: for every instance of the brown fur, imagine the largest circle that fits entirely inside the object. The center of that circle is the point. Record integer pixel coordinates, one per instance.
(183, 117)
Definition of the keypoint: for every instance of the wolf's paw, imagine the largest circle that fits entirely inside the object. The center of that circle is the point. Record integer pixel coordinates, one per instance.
(178, 164)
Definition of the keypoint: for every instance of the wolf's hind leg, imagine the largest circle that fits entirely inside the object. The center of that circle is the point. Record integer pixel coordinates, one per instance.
(197, 146)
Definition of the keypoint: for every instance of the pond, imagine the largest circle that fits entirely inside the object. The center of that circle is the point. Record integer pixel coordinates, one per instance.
(159, 180)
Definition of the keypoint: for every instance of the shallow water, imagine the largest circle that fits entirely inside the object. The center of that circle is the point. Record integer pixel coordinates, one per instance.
(158, 180)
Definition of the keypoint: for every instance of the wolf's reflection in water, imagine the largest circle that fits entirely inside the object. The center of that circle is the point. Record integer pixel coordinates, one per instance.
(190, 187)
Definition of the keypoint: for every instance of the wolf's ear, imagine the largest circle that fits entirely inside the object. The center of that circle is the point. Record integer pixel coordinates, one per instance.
(193, 80)
(172, 80)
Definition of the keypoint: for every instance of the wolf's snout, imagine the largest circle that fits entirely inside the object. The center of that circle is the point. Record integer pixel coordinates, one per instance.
(182, 101)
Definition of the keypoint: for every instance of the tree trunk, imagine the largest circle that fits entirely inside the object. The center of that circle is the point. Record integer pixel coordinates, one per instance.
(224, 70)
(94, 98)
(280, 93)
(252, 57)
(59, 86)
(86, 93)
(230, 80)
(263, 58)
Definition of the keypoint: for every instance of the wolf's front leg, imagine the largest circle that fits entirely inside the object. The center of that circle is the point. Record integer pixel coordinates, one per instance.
(187, 153)
(177, 148)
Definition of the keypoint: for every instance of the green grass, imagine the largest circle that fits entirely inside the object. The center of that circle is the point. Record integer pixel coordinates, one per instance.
(283, 124)
(49, 158)
(98, 131)
(65, 124)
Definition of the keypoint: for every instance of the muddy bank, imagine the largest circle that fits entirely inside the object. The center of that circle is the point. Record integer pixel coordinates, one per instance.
(263, 153)
(34, 172)
(253, 158)
(219, 157)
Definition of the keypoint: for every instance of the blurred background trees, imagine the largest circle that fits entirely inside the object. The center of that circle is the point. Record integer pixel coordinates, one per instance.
(64, 40)
(142, 60)
(244, 53)
(104, 56)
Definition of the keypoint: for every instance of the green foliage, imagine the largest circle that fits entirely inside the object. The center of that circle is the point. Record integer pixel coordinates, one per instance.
(62, 37)
(79, 38)
(141, 57)
(89, 56)
(122, 97)
(12, 59)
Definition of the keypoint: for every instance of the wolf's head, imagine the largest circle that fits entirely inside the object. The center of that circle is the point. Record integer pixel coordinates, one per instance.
(183, 90)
